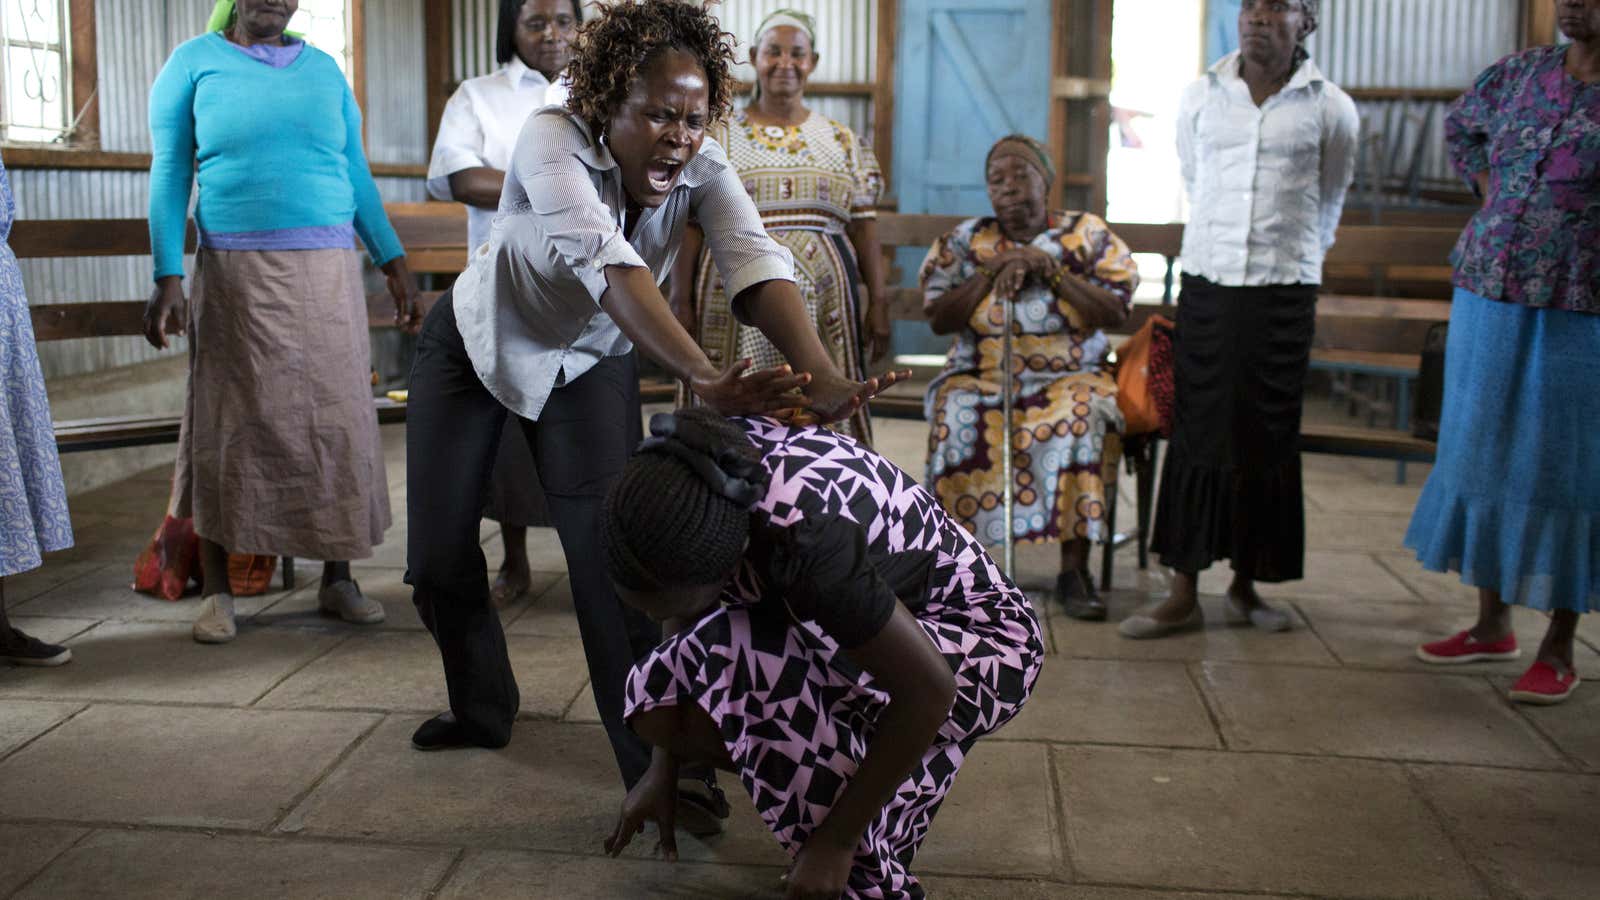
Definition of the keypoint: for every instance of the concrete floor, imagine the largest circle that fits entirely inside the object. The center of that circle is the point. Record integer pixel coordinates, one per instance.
(1321, 762)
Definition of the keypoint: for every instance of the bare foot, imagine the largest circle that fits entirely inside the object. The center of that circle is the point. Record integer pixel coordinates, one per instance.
(510, 585)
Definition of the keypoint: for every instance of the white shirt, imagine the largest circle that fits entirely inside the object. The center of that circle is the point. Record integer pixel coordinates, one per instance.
(480, 127)
(1266, 184)
(528, 304)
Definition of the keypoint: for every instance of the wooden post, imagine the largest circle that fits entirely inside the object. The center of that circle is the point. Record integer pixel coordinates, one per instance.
(85, 76)
(1060, 54)
(1538, 23)
(1100, 114)
(357, 36)
(437, 38)
(883, 92)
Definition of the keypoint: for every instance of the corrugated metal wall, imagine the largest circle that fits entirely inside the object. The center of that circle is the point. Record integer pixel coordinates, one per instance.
(1417, 44)
(847, 35)
(134, 39)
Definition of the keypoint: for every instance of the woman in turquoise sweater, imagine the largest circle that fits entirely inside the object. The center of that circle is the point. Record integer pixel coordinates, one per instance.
(280, 452)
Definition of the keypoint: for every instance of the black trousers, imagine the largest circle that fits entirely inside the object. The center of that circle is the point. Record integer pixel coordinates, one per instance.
(587, 430)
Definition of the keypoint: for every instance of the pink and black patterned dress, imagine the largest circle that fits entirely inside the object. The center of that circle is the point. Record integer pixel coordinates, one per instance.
(839, 530)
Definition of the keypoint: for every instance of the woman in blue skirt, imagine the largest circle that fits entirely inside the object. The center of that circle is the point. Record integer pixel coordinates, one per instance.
(1513, 503)
(33, 502)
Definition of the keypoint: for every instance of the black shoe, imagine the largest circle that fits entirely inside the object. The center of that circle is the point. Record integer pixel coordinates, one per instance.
(23, 650)
(443, 732)
(1078, 598)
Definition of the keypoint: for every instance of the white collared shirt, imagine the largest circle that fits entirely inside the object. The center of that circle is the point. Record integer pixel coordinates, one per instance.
(1266, 184)
(480, 127)
(528, 304)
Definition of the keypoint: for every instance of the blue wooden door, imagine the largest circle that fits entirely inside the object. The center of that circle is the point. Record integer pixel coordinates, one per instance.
(967, 73)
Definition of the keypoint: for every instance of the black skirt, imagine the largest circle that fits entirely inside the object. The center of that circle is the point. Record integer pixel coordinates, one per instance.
(1230, 486)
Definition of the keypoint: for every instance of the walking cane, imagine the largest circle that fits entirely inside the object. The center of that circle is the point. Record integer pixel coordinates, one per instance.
(1009, 491)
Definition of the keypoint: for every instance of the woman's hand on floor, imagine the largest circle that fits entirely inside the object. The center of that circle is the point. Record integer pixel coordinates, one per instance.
(653, 799)
(820, 872)
(733, 393)
(165, 302)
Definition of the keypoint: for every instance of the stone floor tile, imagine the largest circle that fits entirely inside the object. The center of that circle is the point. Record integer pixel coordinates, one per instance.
(1533, 834)
(1432, 587)
(1574, 726)
(1114, 702)
(1391, 715)
(1204, 820)
(1386, 497)
(1218, 640)
(50, 629)
(504, 873)
(947, 888)
(299, 609)
(555, 787)
(107, 593)
(23, 720)
(583, 709)
(159, 865)
(1373, 533)
(401, 671)
(551, 614)
(997, 819)
(52, 574)
(1339, 574)
(165, 765)
(151, 662)
(26, 849)
(1386, 635)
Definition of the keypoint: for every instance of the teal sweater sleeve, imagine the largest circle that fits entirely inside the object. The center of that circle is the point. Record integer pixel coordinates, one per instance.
(171, 163)
(372, 223)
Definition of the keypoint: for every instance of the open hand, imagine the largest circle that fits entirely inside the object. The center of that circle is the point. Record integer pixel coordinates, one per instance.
(834, 397)
(653, 799)
(820, 872)
(403, 288)
(733, 393)
(165, 302)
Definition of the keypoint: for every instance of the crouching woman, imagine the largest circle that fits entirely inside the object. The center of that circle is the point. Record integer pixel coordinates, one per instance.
(835, 639)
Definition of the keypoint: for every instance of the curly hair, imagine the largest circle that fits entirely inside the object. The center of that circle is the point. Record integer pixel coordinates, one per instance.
(615, 47)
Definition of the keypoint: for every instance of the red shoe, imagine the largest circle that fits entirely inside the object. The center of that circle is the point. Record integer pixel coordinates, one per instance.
(1543, 685)
(1462, 648)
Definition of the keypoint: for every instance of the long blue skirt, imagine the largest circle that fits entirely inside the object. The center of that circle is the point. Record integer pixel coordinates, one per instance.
(1513, 503)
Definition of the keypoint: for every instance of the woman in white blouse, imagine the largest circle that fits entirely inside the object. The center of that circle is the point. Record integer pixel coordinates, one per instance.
(537, 335)
(476, 136)
(1268, 148)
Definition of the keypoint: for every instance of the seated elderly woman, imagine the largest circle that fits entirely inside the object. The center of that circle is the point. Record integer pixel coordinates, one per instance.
(1067, 276)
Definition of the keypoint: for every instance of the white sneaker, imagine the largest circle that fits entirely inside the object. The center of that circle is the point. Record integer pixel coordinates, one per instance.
(345, 600)
(215, 624)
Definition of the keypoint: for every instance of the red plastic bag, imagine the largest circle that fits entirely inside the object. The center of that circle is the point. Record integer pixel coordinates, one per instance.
(172, 560)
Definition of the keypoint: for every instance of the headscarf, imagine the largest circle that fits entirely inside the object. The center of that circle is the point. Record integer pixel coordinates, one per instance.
(1029, 151)
(222, 18)
(778, 18)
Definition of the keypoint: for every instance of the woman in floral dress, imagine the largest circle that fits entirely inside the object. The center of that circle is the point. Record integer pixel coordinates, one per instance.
(33, 501)
(1067, 276)
(816, 184)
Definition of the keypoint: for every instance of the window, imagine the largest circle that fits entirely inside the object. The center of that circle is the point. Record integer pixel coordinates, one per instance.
(36, 103)
(326, 26)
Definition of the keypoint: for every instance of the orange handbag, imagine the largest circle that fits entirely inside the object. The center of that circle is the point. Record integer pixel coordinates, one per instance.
(1144, 378)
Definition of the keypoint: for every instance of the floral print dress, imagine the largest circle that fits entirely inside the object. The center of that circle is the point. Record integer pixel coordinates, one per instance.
(1064, 401)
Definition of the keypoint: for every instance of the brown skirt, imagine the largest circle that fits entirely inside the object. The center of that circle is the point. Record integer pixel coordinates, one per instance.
(279, 452)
